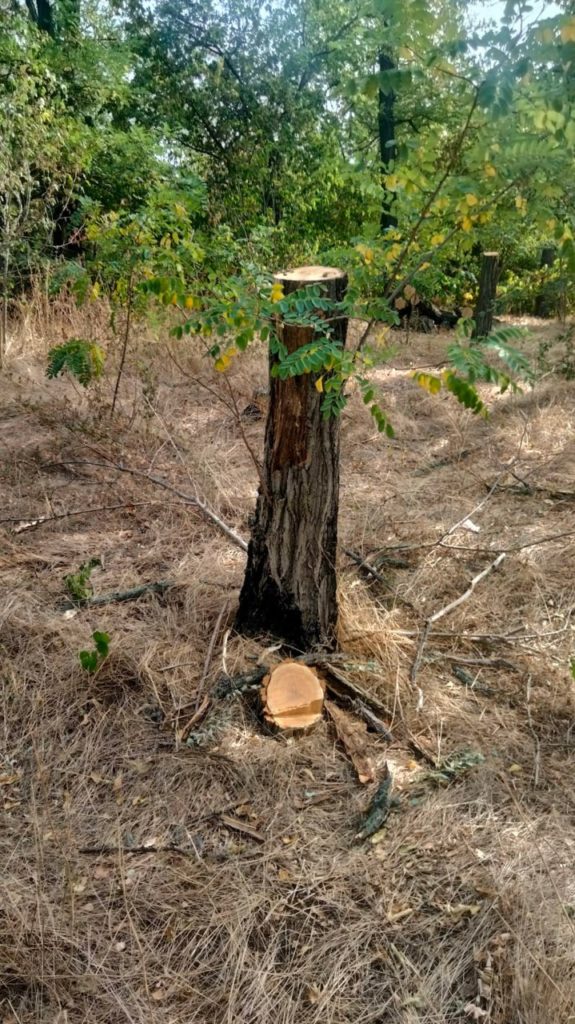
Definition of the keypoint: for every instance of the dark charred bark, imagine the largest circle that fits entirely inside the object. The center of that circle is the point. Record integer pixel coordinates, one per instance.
(289, 588)
(485, 306)
(386, 135)
(42, 15)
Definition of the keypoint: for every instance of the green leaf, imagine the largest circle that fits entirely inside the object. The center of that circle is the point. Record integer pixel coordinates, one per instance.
(89, 660)
(83, 359)
(464, 392)
(102, 642)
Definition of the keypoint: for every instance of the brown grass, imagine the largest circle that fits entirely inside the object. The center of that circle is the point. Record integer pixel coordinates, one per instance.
(468, 897)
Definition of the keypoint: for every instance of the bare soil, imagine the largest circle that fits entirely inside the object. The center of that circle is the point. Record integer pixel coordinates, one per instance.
(161, 868)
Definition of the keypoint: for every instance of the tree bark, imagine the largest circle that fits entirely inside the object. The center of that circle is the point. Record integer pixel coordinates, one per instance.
(42, 15)
(386, 134)
(544, 305)
(485, 306)
(289, 588)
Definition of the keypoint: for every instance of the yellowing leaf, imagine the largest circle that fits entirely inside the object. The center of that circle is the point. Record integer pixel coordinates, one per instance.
(545, 35)
(277, 292)
(190, 302)
(368, 255)
(568, 32)
(319, 384)
(551, 224)
(520, 202)
(428, 382)
(222, 364)
(392, 253)
(467, 224)
(437, 239)
(490, 171)
(471, 200)
(391, 182)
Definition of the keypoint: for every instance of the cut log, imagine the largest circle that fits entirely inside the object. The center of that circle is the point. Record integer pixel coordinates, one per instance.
(293, 696)
(289, 588)
(485, 306)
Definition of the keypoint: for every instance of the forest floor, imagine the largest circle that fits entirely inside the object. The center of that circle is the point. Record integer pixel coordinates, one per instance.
(148, 881)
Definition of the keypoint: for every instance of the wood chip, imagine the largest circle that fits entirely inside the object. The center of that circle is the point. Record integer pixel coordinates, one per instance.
(352, 734)
(242, 826)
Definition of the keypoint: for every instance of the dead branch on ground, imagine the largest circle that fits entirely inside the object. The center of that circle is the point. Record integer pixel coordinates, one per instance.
(187, 499)
(442, 612)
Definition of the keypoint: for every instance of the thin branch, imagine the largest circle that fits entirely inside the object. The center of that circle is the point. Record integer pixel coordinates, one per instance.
(129, 304)
(433, 196)
(31, 524)
(232, 405)
(121, 595)
(373, 572)
(188, 499)
(210, 652)
(446, 610)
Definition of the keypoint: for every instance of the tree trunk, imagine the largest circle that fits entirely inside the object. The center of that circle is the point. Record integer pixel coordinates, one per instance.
(289, 588)
(544, 305)
(485, 306)
(42, 15)
(386, 134)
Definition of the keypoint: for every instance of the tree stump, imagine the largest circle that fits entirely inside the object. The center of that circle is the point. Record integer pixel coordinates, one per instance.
(289, 589)
(292, 696)
(485, 306)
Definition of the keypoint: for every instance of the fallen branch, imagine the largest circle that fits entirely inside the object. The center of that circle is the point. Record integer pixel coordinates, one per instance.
(210, 653)
(375, 574)
(120, 595)
(31, 524)
(187, 499)
(371, 719)
(526, 489)
(379, 807)
(340, 686)
(108, 850)
(442, 612)
(471, 683)
(198, 716)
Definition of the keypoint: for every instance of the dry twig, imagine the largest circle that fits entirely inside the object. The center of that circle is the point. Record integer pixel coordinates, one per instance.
(441, 612)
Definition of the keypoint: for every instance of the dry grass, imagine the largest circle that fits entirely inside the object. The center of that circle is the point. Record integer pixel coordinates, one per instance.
(125, 898)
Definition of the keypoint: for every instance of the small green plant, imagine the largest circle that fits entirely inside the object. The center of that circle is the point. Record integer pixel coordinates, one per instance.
(78, 583)
(572, 667)
(91, 660)
(83, 359)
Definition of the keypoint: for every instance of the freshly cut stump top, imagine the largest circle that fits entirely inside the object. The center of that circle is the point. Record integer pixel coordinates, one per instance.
(293, 696)
(307, 274)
